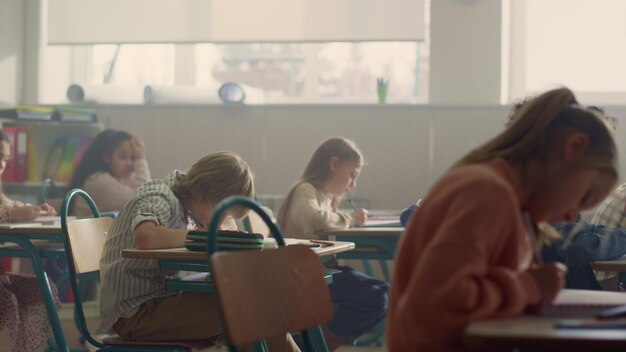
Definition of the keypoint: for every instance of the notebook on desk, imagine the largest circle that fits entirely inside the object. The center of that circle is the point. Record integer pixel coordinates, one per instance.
(579, 303)
(44, 221)
(382, 221)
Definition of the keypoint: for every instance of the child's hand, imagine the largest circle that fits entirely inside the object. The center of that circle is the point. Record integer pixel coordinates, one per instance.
(359, 216)
(138, 147)
(24, 213)
(550, 278)
(47, 210)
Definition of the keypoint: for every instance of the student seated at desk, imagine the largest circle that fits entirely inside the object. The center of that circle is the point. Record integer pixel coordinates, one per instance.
(22, 311)
(582, 242)
(134, 302)
(591, 242)
(111, 171)
(12, 210)
(612, 214)
(467, 252)
(311, 207)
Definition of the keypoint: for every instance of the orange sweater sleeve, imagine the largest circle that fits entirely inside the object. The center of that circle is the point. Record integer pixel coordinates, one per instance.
(471, 268)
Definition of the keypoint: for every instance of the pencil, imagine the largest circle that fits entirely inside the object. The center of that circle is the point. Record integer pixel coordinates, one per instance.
(323, 243)
(352, 203)
(195, 218)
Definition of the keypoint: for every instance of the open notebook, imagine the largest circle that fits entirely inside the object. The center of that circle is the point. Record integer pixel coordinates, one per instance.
(579, 304)
(382, 221)
(44, 221)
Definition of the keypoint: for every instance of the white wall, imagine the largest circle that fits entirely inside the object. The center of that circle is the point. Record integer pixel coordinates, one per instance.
(11, 50)
(465, 52)
(406, 147)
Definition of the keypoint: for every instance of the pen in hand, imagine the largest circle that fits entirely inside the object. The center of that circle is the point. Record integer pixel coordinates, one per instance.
(195, 219)
(352, 204)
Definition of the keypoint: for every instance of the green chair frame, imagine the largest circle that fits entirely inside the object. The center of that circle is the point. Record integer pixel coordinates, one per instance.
(313, 338)
(74, 282)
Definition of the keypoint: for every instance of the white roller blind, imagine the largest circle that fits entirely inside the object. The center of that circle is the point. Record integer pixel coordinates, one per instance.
(193, 21)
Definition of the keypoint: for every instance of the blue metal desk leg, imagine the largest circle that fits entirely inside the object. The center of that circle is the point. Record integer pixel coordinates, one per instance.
(44, 287)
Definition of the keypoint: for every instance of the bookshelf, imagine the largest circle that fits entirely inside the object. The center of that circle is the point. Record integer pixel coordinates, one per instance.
(42, 136)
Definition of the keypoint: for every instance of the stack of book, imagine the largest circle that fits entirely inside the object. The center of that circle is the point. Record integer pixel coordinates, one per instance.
(226, 240)
(47, 113)
(74, 114)
(41, 113)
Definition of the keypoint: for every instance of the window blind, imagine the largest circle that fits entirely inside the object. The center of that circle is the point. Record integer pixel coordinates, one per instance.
(233, 21)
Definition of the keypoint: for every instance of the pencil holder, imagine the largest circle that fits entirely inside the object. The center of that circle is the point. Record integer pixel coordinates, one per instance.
(381, 91)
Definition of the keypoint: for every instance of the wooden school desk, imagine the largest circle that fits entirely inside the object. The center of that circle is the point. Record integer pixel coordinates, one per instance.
(538, 331)
(372, 243)
(618, 264)
(49, 244)
(184, 259)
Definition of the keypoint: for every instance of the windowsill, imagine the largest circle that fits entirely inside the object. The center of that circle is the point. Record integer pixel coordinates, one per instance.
(346, 105)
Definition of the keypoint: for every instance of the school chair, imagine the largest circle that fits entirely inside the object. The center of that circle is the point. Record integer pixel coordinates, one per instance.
(268, 293)
(84, 240)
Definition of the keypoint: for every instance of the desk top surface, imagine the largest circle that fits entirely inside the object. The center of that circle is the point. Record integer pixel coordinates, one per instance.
(30, 229)
(618, 264)
(365, 231)
(535, 330)
(185, 254)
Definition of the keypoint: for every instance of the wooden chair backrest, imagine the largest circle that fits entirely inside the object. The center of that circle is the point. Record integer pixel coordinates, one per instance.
(271, 292)
(86, 238)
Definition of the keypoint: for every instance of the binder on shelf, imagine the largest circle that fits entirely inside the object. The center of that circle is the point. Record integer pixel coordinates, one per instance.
(83, 143)
(9, 171)
(75, 114)
(64, 157)
(21, 154)
(34, 169)
(66, 163)
(54, 157)
(41, 113)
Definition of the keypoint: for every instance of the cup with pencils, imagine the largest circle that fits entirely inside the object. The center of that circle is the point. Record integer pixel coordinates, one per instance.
(382, 85)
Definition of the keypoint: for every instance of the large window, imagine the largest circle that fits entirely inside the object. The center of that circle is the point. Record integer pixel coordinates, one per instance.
(577, 43)
(342, 72)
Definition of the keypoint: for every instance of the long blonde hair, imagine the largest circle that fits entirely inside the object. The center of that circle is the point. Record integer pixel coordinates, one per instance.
(318, 168)
(541, 124)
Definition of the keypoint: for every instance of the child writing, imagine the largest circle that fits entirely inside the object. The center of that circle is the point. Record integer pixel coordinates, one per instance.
(12, 210)
(582, 242)
(311, 207)
(467, 252)
(22, 310)
(134, 301)
(111, 171)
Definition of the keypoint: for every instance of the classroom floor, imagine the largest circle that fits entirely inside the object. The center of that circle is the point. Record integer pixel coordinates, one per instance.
(72, 333)
(72, 338)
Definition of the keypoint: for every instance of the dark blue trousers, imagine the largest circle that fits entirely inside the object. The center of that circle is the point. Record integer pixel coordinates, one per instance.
(360, 302)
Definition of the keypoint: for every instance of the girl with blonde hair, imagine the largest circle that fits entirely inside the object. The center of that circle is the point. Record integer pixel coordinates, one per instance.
(310, 208)
(467, 252)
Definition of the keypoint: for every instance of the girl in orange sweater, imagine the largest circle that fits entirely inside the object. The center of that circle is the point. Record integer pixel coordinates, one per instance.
(467, 253)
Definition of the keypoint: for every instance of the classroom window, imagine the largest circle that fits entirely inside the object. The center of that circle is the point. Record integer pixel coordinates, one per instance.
(574, 43)
(342, 72)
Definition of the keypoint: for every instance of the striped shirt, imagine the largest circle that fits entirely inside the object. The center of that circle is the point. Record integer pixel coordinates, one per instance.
(126, 283)
(611, 213)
